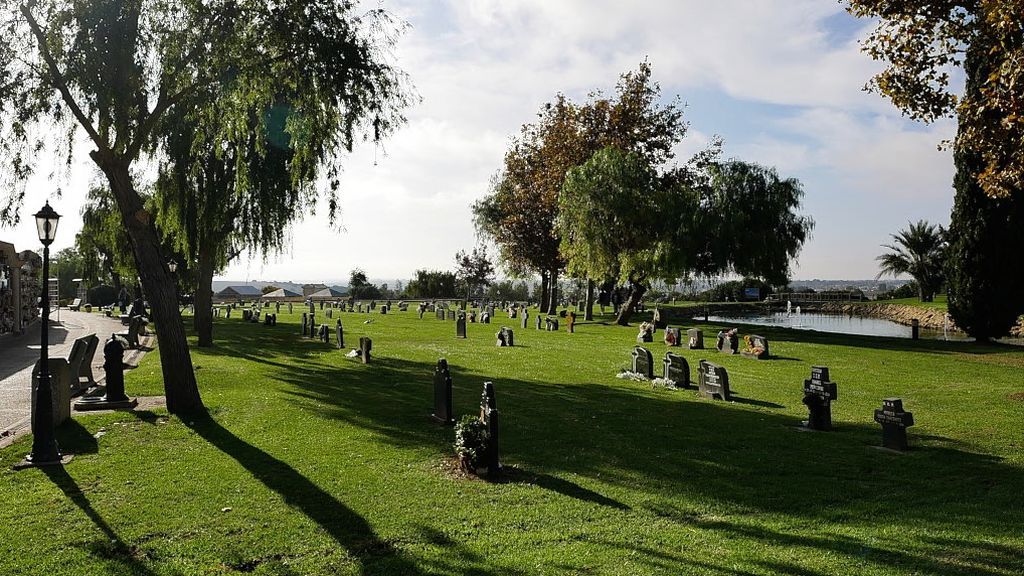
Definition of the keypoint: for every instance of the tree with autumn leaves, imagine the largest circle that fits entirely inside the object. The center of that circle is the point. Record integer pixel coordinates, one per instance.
(587, 188)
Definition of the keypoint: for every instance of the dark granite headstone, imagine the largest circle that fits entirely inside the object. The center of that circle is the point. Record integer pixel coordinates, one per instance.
(712, 380)
(443, 394)
(643, 362)
(439, 313)
(339, 333)
(460, 325)
(526, 318)
(324, 334)
(451, 314)
(305, 323)
(540, 322)
(695, 339)
(646, 333)
(676, 369)
(485, 318)
(894, 421)
(819, 394)
(504, 337)
(657, 320)
(489, 416)
(365, 347)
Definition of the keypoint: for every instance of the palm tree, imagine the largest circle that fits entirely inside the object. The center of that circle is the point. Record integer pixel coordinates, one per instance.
(917, 251)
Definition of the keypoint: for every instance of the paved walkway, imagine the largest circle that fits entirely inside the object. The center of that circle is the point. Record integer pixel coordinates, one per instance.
(19, 354)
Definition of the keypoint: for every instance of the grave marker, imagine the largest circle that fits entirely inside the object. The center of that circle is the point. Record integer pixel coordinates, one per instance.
(673, 336)
(676, 369)
(339, 333)
(727, 341)
(643, 362)
(819, 393)
(443, 394)
(365, 346)
(894, 421)
(324, 334)
(713, 381)
(695, 339)
(756, 347)
(526, 319)
(305, 326)
(460, 326)
(489, 416)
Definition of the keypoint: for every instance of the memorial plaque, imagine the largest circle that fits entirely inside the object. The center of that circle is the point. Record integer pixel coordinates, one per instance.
(443, 412)
(894, 421)
(819, 394)
(676, 369)
(643, 362)
(713, 381)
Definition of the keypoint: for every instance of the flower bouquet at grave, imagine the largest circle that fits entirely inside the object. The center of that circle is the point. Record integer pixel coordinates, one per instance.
(471, 443)
(646, 333)
(752, 350)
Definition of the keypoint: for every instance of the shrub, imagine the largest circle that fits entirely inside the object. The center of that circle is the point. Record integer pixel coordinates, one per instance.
(471, 443)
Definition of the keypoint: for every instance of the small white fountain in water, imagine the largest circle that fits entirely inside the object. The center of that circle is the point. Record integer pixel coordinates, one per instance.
(789, 307)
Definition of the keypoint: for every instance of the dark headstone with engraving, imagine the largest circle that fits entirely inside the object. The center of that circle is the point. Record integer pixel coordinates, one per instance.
(339, 334)
(727, 342)
(695, 339)
(504, 337)
(305, 323)
(676, 369)
(485, 318)
(819, 393)
(894, 421)
(756, 347)
(312, 326)
(443, 394)
(526, 319)
(460, 325)
(489, 416)
(713, 381)
(673, 336)
(643, 362)
(646, 333)
(365, 347)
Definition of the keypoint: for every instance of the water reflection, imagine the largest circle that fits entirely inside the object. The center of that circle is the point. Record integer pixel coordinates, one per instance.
(836, 323)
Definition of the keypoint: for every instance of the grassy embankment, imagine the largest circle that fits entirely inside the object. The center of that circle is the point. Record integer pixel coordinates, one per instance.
(312, 463)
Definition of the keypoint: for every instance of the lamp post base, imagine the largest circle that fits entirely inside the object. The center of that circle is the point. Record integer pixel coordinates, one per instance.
(28, 462)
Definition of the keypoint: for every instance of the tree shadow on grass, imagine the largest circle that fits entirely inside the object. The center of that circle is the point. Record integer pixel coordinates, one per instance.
(112, 549)
(346, 527)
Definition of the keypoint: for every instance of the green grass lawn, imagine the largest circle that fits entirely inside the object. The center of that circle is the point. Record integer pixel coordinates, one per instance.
(938, 303)
(312, 463)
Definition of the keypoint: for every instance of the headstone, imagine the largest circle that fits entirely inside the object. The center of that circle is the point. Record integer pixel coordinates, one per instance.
(324, 334)
(643, 362)
(658, 322)
(894, 421)
(359, 307)
(676, 369)
(305, 323)
(485, 318)
(384, 309)
(512, 312)
(339, 334)
(277, 307)
(312, 308)
(365, 347)
(330, 313)
(539, 321)
(695, 339)
(526, 319)
(819, 394)
(489, 416)
(712, 380)
(443, 394)
(571, 322)
(312, 326)
(646, 333)
(422, 310)
(321, 304)
(289, 307)
(915, 329)
(440, 314)
(373, 304)
(60, 389)
(562, 313)
(505, 337)
(673, 336)
(756, 347)
(472, 316)
(460, 326)
(228, 313)
(451, 314)
(728, 342)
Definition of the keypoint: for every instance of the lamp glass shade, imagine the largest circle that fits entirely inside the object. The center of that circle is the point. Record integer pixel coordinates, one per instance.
(46, 224)
(172, 266)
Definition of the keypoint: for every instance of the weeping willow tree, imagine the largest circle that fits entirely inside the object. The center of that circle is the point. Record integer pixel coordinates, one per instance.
(116, 70)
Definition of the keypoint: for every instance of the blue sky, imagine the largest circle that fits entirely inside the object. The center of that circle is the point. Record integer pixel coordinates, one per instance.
(779, 81)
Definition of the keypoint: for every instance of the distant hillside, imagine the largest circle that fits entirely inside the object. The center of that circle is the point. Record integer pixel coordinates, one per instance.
(219, 285)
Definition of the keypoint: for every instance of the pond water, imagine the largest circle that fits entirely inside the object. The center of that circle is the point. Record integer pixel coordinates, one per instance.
(837, 323)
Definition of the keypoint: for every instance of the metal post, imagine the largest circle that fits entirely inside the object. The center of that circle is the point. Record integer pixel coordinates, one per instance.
(44, 442)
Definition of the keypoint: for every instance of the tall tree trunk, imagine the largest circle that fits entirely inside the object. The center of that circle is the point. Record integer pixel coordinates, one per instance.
(553, 298)
(588, 313)
(636, 292)
(180, 389)
(202, 320)
(544, 294)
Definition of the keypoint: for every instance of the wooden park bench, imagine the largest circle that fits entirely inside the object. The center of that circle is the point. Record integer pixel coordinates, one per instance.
(76, 305)
(80, 363)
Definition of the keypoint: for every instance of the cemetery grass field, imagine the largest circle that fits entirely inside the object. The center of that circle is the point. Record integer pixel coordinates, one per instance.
(310, 463)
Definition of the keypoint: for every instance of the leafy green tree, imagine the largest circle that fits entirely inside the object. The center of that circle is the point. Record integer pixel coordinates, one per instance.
(918, 251)
(68, 265)
(432, 284)
(474, 270)
(102, 242)
(116, 69)
(922, 40)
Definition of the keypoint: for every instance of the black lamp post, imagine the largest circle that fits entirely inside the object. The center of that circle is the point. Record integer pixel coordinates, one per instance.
(44, 442)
